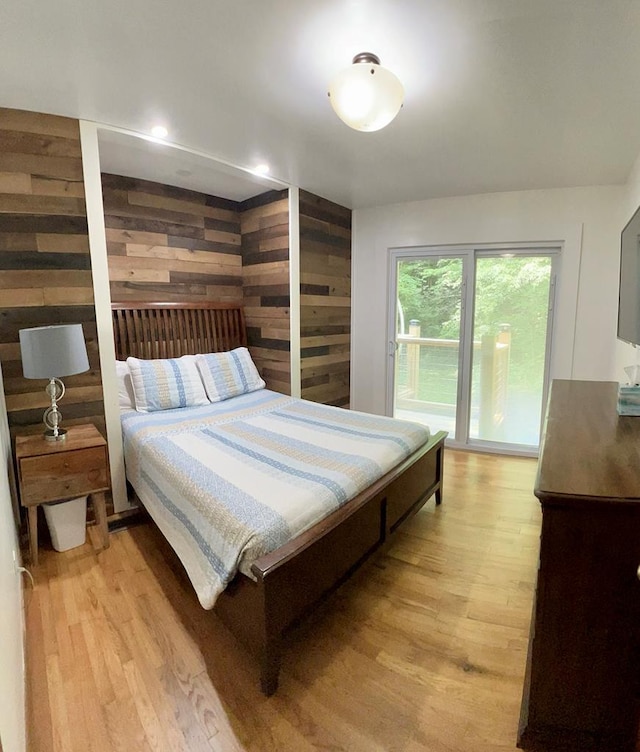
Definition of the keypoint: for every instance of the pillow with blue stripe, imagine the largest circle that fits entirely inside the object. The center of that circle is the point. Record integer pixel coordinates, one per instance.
(166, 384)
(229, 374)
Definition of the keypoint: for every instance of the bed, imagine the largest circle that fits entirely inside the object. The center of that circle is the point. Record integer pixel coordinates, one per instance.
(262, 589)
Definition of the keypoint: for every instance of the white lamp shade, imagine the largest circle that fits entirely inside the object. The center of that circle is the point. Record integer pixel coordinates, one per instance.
(366, 96)
(53, 351)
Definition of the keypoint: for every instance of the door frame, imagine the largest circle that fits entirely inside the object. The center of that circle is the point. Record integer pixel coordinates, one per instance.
(469, 253)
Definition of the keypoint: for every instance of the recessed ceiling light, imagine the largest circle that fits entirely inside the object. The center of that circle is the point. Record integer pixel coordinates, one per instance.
(159, 131)
(261, 169)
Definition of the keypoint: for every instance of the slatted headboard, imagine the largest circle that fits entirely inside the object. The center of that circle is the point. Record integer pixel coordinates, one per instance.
(169, 330)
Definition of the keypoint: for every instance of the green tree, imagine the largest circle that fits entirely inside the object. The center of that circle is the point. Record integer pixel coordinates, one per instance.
(429, 291)
(512, 291)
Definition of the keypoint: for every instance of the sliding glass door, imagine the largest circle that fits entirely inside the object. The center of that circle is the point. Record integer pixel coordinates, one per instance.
(470, 340)
(429, 331)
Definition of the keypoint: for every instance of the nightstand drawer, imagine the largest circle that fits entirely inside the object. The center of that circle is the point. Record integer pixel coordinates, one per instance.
(62, 475)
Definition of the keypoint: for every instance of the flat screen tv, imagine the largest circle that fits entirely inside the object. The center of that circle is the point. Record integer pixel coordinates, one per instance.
(629, 300)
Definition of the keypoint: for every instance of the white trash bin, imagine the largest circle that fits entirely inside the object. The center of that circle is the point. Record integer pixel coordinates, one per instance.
(67, 521)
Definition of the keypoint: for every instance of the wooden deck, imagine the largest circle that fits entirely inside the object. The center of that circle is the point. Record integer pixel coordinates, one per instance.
(423, 650)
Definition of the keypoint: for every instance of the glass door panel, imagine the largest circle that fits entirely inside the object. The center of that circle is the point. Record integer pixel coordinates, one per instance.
(510, 323)
(470, 343)
(427, 340)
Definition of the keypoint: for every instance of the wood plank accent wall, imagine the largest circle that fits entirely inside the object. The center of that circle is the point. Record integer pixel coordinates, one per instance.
(168, 244)
(45, 266)
(264, 226)
(325, 300)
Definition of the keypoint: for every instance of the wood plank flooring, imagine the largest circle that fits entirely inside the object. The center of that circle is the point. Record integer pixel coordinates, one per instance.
(423, 650)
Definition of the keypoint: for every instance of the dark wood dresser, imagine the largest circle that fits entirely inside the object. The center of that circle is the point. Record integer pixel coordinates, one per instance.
(583, 671)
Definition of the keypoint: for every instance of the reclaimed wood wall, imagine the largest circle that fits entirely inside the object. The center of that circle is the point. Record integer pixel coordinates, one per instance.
(325, 300)
(45, 267)
(166, 243)
(264, 226)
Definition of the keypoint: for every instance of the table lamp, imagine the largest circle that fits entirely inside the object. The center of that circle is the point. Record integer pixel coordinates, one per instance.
(49, 352)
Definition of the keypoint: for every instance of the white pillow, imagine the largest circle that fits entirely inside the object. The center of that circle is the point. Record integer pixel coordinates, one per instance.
(166, 384)
(126, 398)
(228, 374)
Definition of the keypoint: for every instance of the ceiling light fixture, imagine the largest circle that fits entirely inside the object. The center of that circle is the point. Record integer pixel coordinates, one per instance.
(261, 169)
(366, 96)
(159, 131)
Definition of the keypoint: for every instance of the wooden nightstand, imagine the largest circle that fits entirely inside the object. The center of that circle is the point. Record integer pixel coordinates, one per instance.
(60, 470)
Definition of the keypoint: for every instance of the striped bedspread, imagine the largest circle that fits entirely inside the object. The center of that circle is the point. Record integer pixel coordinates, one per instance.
(231, 481)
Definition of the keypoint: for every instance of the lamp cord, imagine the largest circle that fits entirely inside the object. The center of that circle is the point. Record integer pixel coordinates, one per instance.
(27, 572)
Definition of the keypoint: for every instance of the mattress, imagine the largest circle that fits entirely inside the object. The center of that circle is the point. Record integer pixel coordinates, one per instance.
(231, 481)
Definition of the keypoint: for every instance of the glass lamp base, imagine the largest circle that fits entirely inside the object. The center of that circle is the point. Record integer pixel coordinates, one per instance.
(50, 436)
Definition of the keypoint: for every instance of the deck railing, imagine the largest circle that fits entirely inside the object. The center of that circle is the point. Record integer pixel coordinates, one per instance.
(427, 374)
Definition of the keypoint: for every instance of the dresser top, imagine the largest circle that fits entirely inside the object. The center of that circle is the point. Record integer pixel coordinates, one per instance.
(590, 454)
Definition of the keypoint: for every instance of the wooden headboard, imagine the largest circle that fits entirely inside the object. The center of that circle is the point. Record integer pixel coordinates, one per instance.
(169, 330)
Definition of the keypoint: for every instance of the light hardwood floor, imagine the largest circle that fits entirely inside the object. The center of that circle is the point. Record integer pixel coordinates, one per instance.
(424, 649)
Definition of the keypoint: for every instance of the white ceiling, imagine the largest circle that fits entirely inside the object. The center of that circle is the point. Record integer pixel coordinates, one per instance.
(500, 94)
(137, 157)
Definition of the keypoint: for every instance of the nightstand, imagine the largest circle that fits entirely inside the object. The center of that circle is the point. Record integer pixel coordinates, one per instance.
(61, 470)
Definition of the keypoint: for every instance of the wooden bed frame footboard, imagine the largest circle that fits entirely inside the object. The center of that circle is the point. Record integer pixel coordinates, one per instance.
(295, 578)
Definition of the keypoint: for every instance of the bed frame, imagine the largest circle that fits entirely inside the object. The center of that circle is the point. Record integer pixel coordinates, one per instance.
(292, 580)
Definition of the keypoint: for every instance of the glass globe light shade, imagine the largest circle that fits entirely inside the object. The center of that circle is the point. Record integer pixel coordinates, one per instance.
(366, 96)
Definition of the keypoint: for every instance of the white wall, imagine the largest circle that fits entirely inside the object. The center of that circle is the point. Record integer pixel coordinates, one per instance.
(587, 221)
(12, 676)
